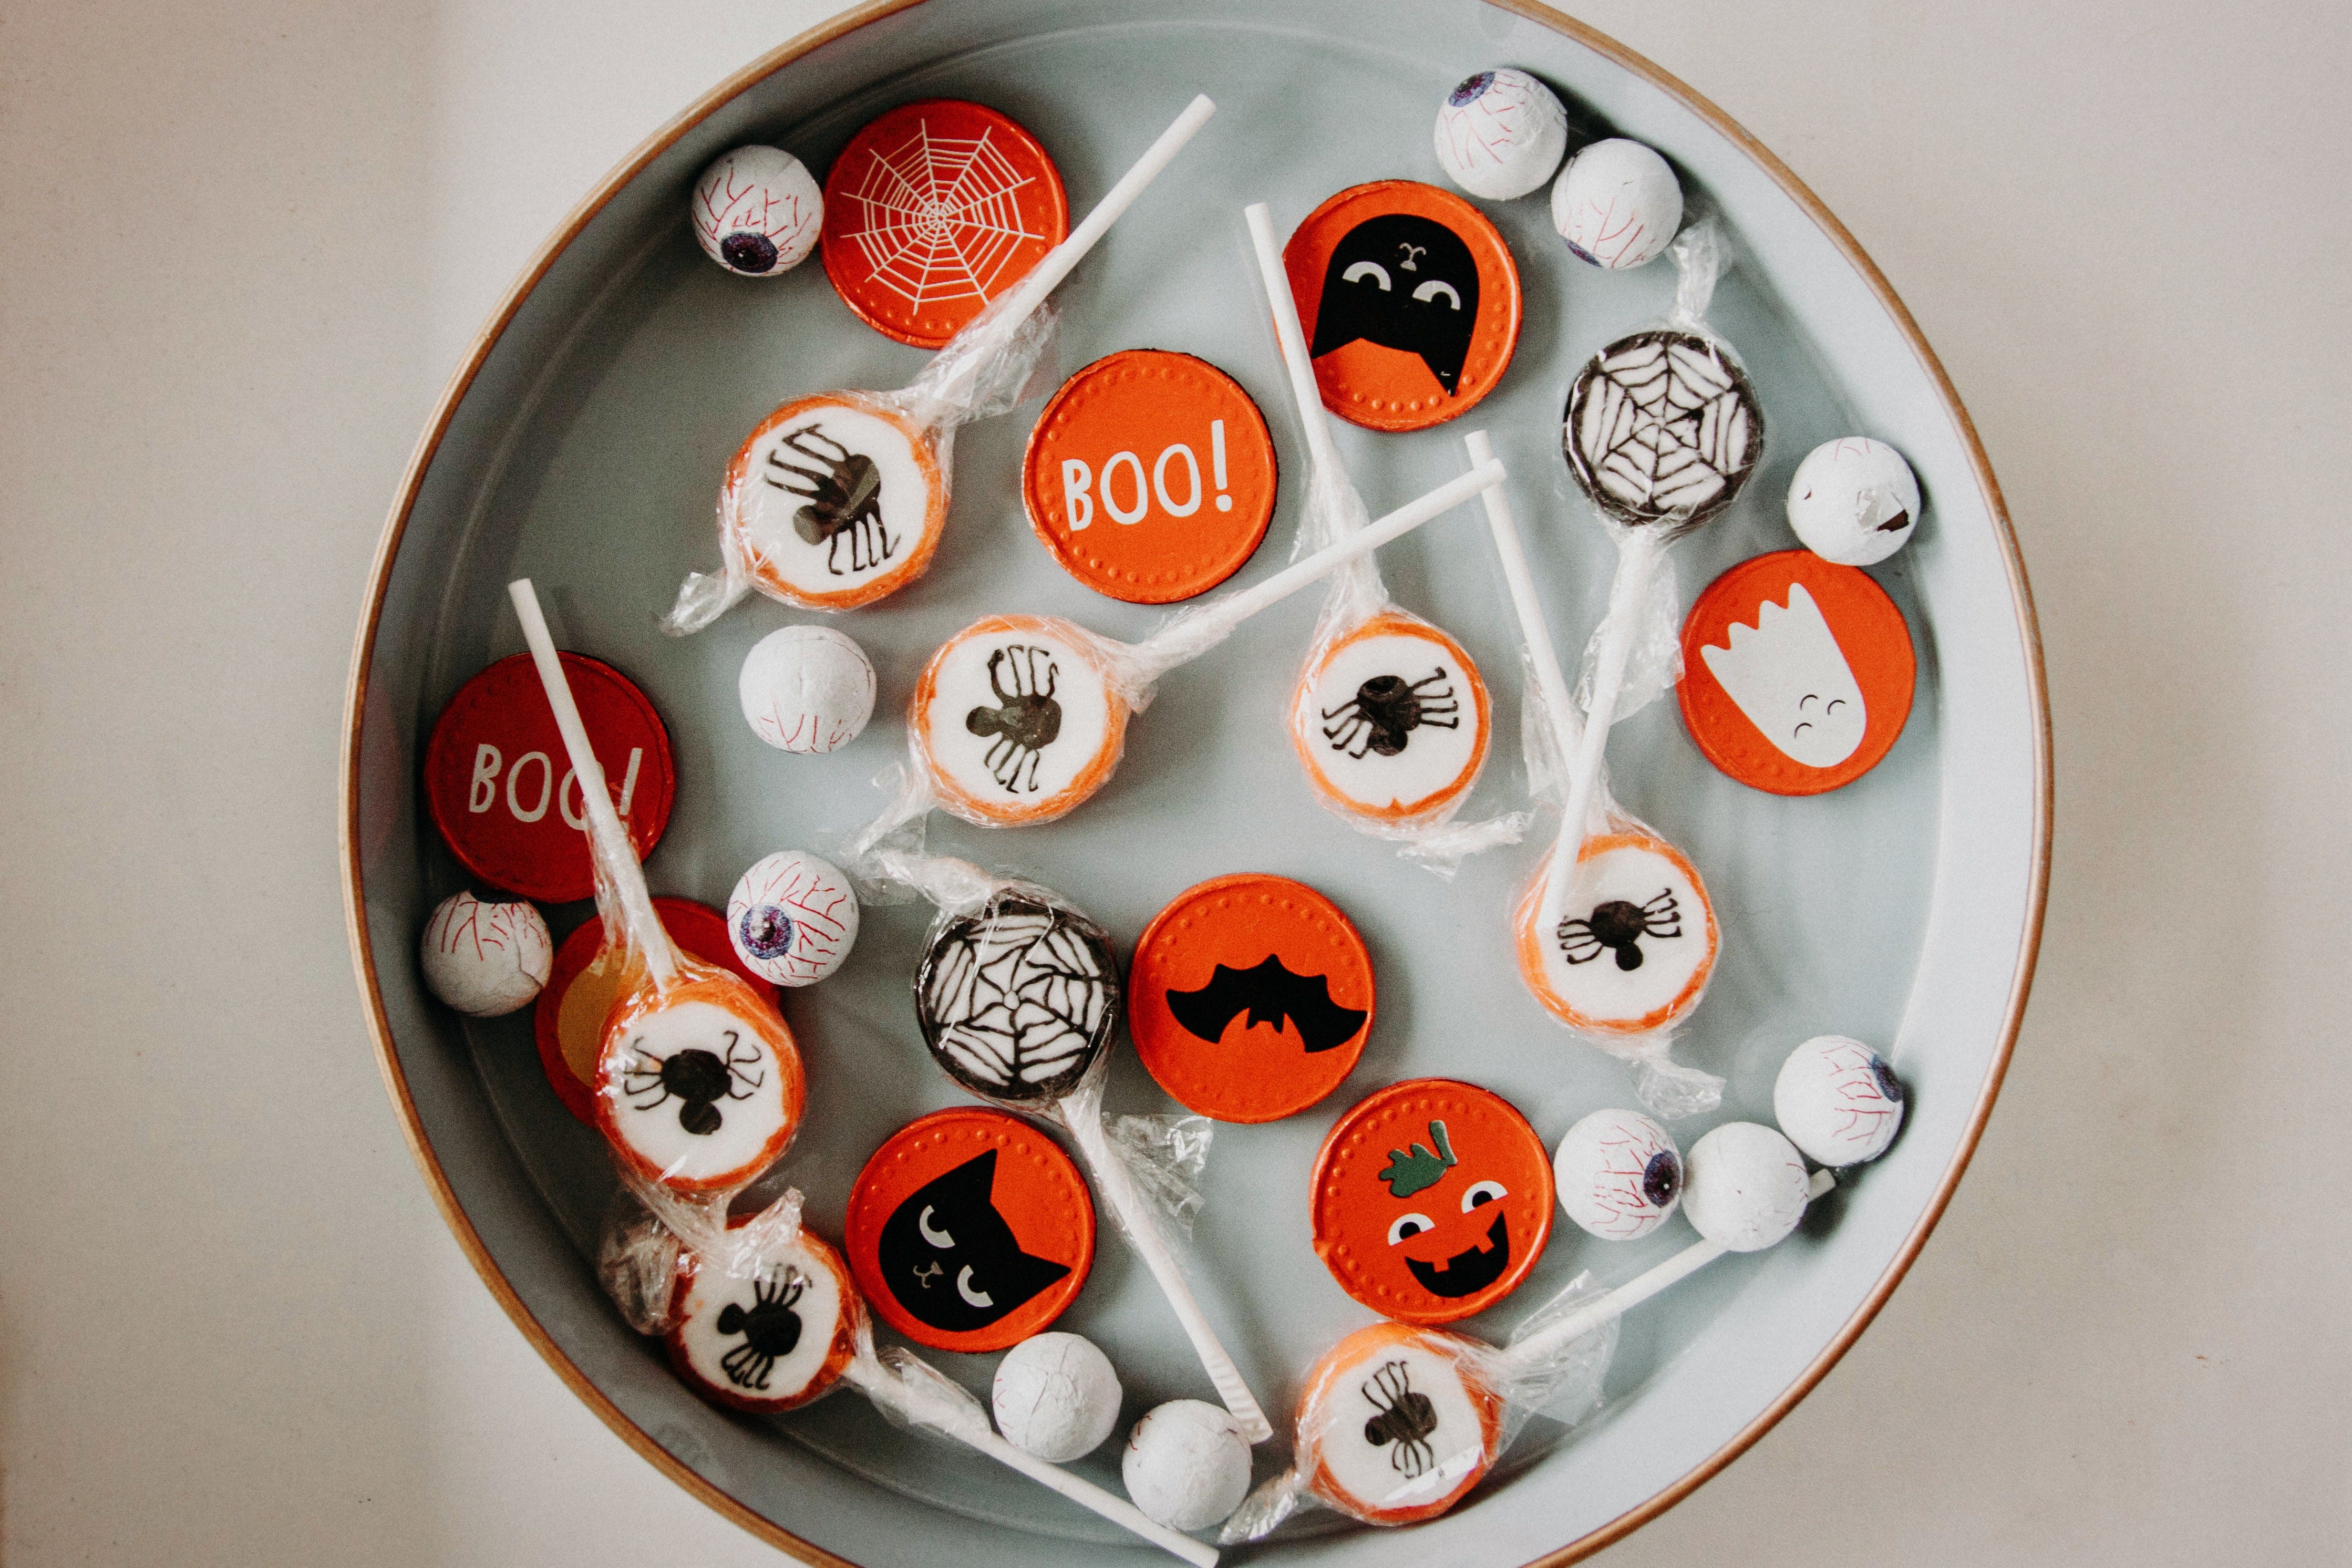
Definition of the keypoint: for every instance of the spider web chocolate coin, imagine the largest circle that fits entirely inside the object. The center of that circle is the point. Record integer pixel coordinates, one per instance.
(1016, 1000)
(1663, 427)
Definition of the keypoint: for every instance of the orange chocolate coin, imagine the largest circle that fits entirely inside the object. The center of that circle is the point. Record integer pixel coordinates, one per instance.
(1431, 1199)
(1410, 301)
(933, 210)
(1150, 476)
(1797, 673)
(1250, 997)
(970, 1230)
(568, 1020)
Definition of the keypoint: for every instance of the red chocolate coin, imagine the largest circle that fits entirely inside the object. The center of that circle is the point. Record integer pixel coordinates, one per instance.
(1432, 1199)
(1150, 476)
(1410, 301)
(932, 211)
(1797, 673)
(568, 1019)
(970, 1230)
(1250, 997)
(503, 796)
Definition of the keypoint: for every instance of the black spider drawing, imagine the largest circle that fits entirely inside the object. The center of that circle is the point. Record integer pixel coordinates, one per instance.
(697, 1078)
(1621, 925)
(1384, 710)
(1029, 719)
(844, 500)
(770, 1330)
(1403, 1417)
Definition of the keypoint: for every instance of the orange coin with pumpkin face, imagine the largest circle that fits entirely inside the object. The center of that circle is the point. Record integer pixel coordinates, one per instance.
(1432, 1200)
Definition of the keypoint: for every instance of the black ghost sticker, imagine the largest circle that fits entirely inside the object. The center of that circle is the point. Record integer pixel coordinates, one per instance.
(1405, 282)
(950, 1258)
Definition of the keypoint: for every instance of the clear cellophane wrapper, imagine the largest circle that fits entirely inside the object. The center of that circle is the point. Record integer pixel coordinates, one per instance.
(1525, 1379)
(981, 372)
(1334, 512)
(1669, 1089)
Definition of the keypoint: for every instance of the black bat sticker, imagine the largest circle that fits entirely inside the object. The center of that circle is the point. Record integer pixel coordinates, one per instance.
(1404, 282)
(1268, 994)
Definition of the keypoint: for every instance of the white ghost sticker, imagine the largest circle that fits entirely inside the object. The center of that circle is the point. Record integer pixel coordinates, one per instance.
(1789, 677)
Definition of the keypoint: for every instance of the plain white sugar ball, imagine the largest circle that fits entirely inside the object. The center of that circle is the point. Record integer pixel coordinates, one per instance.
(1500, 134)
(1747, 1186)
(1837, 1101)
(1617, 203)
(757, 211)
(1056, 1396)
(1618, 1174)
(486, 959)
(806, 688)
(1185, 1466)
(1853, 500)
(793, 918)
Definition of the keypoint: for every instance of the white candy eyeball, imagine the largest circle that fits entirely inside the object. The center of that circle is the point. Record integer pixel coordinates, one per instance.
(1617, 203)
(793, 918)
(1747, 1186)
(485, 960)
(757, 211)
(1618, 1174)
(806, 688)
(1185, 1466)
(1500, 134)
(1837, 1101)
(1853, 500)
(1056, 1396)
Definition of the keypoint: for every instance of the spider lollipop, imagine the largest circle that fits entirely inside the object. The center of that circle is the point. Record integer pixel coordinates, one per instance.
(838, 499)
(1614, 934)
(761, 1316)
(1390, 719)
(699, 1084)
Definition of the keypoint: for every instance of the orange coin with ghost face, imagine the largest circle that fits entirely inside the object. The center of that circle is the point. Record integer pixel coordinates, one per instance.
(1432, 1200)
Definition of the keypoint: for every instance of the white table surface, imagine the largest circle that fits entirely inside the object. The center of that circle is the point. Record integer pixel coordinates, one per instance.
(243, 244)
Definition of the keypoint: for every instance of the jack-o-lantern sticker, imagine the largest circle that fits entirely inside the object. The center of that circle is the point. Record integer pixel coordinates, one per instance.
(1432, 1200)
(1797, 673)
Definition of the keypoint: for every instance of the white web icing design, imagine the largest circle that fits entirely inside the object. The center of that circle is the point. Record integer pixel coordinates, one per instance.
(937, 218)
(1017, 1002)
(1660, 426)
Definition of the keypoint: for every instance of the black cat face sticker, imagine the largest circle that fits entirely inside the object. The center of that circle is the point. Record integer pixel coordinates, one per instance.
(1405, 282)
(950, 1258)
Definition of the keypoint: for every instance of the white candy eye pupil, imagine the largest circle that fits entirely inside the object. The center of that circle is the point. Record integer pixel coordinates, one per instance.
(1484, 1192)
(1407, 1226)
(1362, 269)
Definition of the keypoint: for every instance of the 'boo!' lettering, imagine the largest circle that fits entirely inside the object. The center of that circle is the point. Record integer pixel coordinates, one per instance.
(483, 792)
(1079, 483)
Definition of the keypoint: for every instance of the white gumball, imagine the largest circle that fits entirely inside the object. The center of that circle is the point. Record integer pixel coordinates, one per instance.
(757, 211)
(1618, 1174)
(1185, 1466)
(1853, 500)
(486, 959)
(1837, 1101)
(1500, 134)
(806, 688)
(793, 918)
(1617, 203)
(1056, 1396)
(1747, 1186)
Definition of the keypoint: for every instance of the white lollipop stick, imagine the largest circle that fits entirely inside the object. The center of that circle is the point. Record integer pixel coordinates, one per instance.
(1541, 1344)
(879, 1384)
(1031, 290)
(1142, 1228)
(1637, 559)
(1292, 336)
(608, 841)
(1559, 700)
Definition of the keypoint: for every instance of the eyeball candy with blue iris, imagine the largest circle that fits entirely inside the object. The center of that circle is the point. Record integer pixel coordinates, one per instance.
(793, 918)
(757, 211)
(1500, 134)
(1837, 1101)
(1186, 1466)
(1617, 205)
(1056, 1396)
(1619, 1175)
(806, 688)
(1853, 500)
(485, 960)
(1746, 1186)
